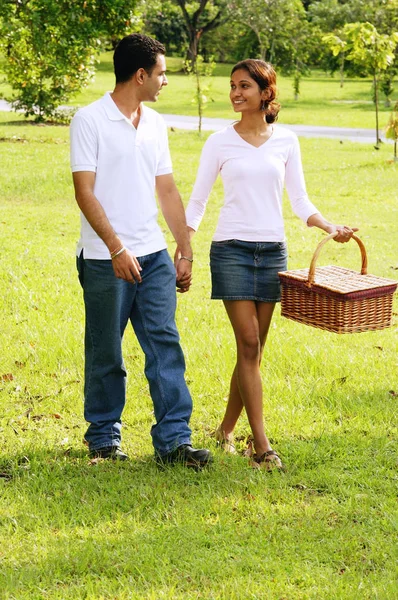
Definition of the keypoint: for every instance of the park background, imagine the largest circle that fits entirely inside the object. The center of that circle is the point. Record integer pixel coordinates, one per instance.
(71, 528)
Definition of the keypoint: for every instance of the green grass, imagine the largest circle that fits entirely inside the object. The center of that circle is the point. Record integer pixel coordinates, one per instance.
(325, 529)
(322, 101)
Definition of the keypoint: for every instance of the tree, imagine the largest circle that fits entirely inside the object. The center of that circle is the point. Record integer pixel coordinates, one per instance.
(202, 73)
(338, 46)
(386, 85)
(51, 45)
(282, 32)
(373, 51)
(392, 129)
(275, 23)
(330, 16)
(204, 16)
(164, 21)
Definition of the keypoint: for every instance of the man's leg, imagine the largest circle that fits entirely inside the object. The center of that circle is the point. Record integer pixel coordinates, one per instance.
(153, 319)
(107, 304)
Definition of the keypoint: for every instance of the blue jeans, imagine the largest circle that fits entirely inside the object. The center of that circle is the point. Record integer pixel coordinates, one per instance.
(109, 303)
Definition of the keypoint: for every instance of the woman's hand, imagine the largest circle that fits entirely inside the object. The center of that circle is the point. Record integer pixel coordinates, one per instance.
(345, 233)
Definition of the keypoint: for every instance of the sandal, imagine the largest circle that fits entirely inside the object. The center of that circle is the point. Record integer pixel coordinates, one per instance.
(267, 461)
(225, 442)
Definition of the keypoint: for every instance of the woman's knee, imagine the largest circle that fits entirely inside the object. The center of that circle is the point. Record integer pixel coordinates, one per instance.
(249, 348)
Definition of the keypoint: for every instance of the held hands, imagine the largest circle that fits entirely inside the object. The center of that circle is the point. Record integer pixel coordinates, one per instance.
(126, 266)
(183, 266)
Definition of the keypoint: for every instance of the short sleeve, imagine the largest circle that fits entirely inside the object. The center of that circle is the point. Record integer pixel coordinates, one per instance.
(83, 145)
(164, 166)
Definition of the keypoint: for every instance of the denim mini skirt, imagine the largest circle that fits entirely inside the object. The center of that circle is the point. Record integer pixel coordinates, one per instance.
(247, 270)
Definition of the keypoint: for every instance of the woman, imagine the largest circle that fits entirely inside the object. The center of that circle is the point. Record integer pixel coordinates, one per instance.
(255, 159)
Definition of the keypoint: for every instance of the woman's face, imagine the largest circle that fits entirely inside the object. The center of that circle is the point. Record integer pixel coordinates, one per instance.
(245, 94)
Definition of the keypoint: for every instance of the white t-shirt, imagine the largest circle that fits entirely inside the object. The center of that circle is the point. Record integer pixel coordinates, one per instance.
(253, 181)
(126, 161)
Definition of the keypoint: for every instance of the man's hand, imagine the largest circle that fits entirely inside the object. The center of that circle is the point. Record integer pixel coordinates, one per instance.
(174, 214)
(183, 268)
(127, 267)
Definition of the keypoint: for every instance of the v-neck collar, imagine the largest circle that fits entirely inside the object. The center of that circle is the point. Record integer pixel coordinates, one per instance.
(252, 145)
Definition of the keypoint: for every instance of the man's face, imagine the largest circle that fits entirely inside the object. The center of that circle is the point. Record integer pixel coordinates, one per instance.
(156, 80)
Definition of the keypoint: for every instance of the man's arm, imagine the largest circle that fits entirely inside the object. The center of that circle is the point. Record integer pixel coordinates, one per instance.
(125, 264)
(174, 214)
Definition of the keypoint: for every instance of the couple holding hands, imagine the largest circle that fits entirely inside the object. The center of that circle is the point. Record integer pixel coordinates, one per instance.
(120, 159)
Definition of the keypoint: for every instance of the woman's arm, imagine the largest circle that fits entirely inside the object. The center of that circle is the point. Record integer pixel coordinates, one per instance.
(344, 232)
(209, 168)
(295, 185)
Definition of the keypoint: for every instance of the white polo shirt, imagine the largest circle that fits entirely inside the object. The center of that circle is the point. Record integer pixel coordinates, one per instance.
(126, 161)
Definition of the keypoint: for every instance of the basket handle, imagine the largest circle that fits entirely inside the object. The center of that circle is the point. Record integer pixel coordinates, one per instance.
(311, 272)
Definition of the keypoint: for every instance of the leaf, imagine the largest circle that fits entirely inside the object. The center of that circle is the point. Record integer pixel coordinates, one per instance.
(341, 380)
(7, 377)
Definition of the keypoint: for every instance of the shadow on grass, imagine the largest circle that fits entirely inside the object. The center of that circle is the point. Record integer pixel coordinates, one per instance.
(179, 530)
(330, 458)
(32, 124)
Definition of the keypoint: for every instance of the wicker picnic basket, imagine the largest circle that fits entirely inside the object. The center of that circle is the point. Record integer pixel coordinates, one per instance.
(335, 298)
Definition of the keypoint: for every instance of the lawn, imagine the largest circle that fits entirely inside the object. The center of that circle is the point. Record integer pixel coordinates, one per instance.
(322, 100)
(70, 530)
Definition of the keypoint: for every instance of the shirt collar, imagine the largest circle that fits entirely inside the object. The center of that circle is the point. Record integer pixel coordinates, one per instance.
(112, 111)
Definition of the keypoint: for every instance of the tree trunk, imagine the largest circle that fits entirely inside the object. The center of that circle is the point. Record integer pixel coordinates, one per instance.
(342, 70)
(296, 81)
(199, 96)
(193, 49)
(375, 83)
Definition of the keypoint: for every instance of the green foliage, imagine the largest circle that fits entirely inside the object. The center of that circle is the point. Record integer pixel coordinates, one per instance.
(201, 72)
(392, 129)
(164, 21)
(278, 25)
(201, 17)
(231, 42)
(332, 15)
(51, 46)
(386, 85)
(369, 48)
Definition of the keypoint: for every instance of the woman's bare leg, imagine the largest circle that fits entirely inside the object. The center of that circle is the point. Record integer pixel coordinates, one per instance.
(250, 322)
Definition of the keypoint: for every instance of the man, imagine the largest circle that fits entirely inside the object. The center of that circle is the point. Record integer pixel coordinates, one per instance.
(119, 155)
